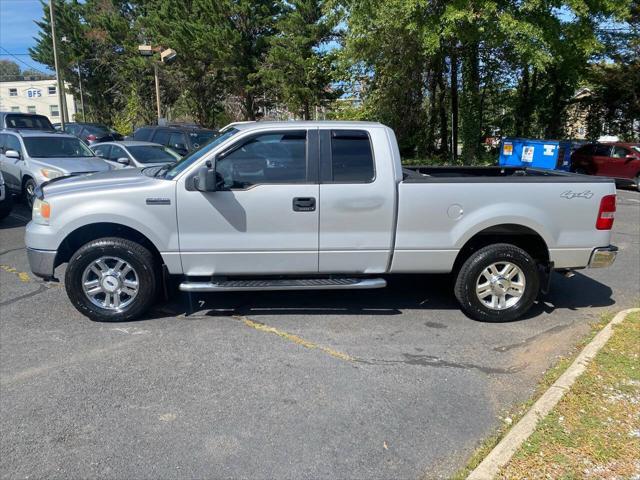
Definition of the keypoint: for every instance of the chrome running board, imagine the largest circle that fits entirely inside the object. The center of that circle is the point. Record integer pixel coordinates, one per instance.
(283, 284)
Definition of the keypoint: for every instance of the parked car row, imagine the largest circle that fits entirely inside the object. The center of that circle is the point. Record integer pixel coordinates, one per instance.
(33, 151)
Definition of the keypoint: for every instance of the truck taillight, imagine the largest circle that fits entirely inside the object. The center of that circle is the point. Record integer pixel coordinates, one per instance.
(606, 213)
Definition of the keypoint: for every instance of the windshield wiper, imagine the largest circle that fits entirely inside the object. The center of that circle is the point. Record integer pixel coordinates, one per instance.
(164, 169)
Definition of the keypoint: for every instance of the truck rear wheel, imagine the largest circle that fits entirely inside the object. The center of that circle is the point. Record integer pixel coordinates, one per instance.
(498, 283)
(112, 280)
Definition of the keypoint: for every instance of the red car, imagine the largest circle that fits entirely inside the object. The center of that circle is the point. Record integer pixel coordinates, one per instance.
(616, 160)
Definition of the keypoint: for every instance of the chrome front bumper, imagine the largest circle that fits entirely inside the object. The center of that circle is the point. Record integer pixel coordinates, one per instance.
(42, 262)
(603, 256)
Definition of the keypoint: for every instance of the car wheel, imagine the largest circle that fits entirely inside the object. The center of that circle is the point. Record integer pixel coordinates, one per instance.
(498, 283)
(638, 182)
(112, 280)
(29, 191)
(580, 171)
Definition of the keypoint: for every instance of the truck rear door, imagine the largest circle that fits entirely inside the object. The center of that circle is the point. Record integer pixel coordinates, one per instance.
(357, 201)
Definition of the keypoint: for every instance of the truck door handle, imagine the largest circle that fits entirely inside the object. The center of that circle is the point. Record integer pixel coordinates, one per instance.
(304, 204)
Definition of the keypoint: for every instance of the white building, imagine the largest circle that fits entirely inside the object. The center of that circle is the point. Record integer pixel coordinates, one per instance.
(34, 96)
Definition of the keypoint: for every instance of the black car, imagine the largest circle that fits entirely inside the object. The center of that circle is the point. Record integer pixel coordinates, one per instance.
(25, 121)
(91, 133)
(182, 138)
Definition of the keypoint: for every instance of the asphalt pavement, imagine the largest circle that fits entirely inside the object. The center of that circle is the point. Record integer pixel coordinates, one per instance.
(393, 383)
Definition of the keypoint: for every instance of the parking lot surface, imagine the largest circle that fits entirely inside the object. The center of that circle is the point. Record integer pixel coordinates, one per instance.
(393, 383)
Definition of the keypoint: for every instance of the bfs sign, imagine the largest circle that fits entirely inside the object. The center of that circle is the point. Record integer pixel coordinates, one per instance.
(34, 93)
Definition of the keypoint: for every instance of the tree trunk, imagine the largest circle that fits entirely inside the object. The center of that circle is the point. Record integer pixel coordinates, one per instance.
(431, 120)
(470, 105)
(454, 103)
(442, 110)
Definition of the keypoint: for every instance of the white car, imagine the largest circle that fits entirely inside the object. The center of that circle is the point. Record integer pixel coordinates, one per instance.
(134, 154)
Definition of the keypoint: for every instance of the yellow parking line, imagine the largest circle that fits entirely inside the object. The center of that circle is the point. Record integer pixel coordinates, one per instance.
(23, 276)
(294, 338)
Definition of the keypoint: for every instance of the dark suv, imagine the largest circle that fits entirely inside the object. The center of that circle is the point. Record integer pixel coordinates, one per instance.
(91, 133)
(182, 138)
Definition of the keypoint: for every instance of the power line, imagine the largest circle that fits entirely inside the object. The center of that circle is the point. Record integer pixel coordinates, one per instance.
(22, 61)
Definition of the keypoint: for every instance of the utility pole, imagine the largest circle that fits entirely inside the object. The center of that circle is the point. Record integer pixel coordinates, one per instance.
(62, 108)
(155, 73)
(84, 117)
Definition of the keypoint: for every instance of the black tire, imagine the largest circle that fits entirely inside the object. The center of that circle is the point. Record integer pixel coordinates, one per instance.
(29, 185)
(136, 256)
(638, 182)
(470, 273)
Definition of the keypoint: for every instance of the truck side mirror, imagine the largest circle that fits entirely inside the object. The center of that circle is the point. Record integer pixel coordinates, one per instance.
(205, 180)
(13, 154)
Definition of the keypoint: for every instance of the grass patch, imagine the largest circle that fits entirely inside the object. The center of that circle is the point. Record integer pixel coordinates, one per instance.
(594, 431)
(549, 377)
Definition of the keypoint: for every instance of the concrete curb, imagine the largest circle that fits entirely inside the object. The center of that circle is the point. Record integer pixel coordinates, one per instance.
(504, 450)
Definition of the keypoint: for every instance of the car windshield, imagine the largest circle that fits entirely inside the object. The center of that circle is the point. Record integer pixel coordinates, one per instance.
(201, 137)
(636, 148)
(197, 154)
(56, 147)
(36, 122)
(153, 154)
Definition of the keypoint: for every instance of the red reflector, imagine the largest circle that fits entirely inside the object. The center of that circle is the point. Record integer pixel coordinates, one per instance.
(606, 213)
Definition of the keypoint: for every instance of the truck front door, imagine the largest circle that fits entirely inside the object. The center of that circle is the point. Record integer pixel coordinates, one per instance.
(263, 219)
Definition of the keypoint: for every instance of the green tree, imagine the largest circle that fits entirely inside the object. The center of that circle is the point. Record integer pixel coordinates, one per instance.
(296, 70)
(9, 70)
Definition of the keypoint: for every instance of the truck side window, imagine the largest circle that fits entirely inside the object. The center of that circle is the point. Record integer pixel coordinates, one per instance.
(351, 156)
(274, 157)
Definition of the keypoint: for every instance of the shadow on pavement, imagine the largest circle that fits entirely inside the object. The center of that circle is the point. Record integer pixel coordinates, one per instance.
(407, 292)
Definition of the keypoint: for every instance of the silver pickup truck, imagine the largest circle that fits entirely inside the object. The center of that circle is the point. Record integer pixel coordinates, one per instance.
(315, 205)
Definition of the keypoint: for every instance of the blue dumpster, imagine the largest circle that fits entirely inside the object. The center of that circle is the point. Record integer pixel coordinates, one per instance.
(527, 152)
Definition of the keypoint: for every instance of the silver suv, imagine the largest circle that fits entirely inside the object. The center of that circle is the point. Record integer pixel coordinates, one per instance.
(30, 158)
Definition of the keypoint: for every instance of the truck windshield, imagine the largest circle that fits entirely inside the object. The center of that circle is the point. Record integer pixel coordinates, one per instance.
(197, 154)
(56, 147)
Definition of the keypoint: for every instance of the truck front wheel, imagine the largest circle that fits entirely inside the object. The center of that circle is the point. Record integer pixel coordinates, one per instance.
(497, 283)
(112, 280)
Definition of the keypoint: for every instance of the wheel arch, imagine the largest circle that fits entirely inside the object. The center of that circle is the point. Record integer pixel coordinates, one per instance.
(86, 233)
(519, 235)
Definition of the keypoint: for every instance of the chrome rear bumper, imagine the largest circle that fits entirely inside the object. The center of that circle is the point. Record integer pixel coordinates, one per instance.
(603, 256)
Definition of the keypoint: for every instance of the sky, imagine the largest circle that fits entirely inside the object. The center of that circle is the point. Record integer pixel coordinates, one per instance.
(17, 31)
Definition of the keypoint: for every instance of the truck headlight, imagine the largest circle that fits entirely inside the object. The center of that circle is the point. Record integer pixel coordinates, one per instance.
(41, 212)
(50, 173)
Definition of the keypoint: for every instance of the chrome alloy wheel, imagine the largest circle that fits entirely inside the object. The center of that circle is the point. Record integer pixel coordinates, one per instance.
(110, 283)
(500, 286)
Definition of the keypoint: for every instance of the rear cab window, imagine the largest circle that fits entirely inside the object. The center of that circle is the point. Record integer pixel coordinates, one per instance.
(351, 157)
